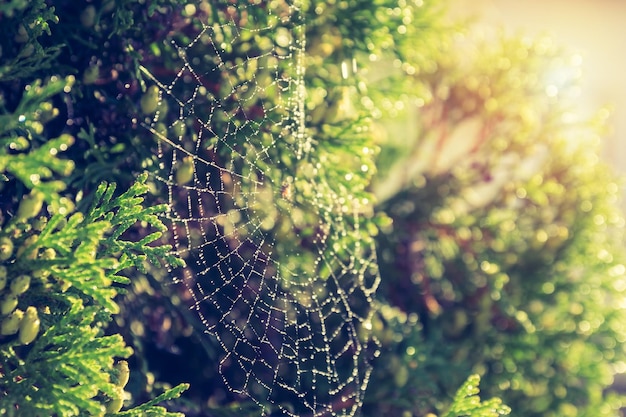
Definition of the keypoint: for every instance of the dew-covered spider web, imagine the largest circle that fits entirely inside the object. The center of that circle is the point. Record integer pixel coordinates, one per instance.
(279, 267)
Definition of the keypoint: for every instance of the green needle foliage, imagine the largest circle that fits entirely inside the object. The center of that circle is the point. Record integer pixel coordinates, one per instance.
(467, 403)
(72, 264)
(36, 166)
(65, 253)
(500, 245)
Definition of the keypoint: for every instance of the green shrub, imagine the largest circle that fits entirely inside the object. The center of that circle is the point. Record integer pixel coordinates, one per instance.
(64, 256)
(499, 236)
(507, 238)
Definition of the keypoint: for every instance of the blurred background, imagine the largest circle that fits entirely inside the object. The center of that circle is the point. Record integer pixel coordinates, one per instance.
(593, 28)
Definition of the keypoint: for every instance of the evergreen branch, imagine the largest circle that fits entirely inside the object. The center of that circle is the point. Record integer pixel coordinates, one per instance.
(125, 211)
(66, 368)
(151, 409)
(87, 256)
(28, 56)
(467, 403)
(57, 274)
(37, 167)
(31, 168)
(33, 108)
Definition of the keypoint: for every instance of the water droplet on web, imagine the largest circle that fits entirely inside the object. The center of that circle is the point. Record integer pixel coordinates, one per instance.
(256, 294)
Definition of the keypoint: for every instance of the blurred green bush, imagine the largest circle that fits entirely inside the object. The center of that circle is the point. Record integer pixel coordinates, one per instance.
(504, 255)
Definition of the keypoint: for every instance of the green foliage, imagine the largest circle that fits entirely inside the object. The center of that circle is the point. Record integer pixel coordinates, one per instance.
(127, 15)
(122, 213)
(409, 373)
(67, 367)
(150, 408)
(21, 51)
(507, 240)
(500, 241)
(63, 257)
(467, 403)
(25, 153)
(73, 263)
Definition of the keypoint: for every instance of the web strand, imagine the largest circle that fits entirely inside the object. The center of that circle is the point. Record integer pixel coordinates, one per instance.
(273, 270)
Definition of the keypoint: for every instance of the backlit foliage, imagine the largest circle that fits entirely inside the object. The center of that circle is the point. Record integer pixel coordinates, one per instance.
(506, 244)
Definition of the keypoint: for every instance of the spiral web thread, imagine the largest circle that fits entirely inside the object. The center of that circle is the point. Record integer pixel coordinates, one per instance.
(289, 317)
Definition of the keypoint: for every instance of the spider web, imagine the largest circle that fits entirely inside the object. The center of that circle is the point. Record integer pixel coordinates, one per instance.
(277, 265)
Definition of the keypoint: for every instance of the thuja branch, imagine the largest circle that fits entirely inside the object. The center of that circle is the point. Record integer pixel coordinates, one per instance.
(64, 272)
